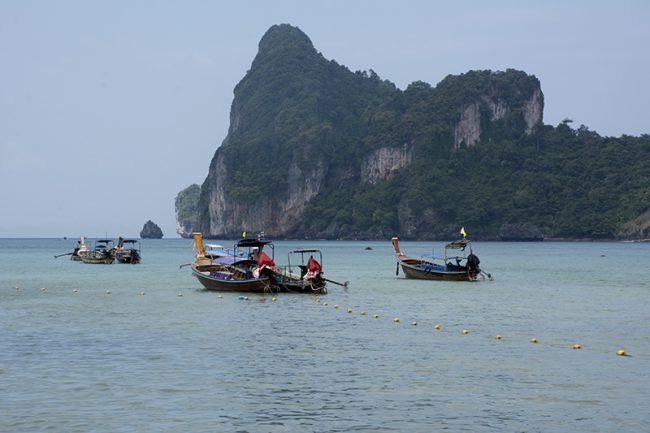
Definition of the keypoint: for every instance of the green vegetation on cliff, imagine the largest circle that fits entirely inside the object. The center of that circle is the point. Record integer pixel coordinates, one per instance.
(187, 214)
(478, 154)
(569, 183)
(294, 105)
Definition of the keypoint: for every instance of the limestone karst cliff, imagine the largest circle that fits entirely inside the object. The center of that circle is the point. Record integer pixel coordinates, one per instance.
(315, 150)
(297, 131)
(186, 205)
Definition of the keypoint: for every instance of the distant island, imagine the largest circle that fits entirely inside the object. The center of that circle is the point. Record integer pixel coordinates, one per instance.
(315, 150)
(151, 231)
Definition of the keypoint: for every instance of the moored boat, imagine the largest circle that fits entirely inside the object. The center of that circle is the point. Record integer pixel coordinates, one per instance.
(248, 268)
(128, 251)
(456, 265)
(230, 273)
(102, 253)
(74, 255)
(311, 278)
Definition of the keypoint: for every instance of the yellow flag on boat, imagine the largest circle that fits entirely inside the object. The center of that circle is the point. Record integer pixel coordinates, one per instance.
(462, 232)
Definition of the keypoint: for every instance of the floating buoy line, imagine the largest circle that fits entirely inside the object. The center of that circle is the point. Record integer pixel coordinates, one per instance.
(437, 327)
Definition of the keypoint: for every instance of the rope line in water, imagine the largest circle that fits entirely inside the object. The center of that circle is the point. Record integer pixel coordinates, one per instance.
(437, 327)
(396, 319)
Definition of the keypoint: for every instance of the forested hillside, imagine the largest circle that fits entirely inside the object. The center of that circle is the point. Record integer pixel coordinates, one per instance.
(317, 151)
(567, 183)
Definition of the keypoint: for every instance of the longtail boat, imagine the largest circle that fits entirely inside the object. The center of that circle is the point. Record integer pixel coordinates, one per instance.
(230, 273)
(248, 268)
(103, 253)
(310, 278)
(128, 251)
(74, 255)
(456, 265)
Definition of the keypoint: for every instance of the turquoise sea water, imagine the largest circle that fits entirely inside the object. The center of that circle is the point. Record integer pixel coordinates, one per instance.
(90, 361)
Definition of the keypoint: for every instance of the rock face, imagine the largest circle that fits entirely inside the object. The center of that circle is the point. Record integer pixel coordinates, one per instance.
(315, 150)
(468, 128)
(281, 174)
(151, 231)
(637, 229)
(186, 205)
(306, 131)
(493, 106)
(272, 213)
(384, 162)
(534, 110)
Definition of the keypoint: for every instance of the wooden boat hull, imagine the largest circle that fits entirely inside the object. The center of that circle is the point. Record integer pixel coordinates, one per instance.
(98, 261)
(413, 268)
(128, 256)
(295, 285)
(96, 258)
(224, 278)
(465, 269)
(219, 278)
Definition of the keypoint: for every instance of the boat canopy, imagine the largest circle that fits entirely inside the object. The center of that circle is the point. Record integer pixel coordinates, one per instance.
(459, 244)
(305, 251)
(251, 243)
(227, 260)
(105, 241)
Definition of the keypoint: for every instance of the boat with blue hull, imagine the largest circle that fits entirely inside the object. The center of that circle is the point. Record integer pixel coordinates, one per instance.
(456, 265)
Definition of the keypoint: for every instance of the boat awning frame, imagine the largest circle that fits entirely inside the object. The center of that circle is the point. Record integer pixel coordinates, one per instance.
(458, 244)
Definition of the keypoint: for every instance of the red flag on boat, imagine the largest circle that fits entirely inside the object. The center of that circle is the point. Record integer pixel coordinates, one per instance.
(313, 265)
(264, 259)
(313, 269)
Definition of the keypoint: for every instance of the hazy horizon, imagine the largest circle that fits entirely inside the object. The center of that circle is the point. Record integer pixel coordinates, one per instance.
(109, 109)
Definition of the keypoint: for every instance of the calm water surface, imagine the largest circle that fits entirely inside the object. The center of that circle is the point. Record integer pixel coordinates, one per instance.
(180, 359)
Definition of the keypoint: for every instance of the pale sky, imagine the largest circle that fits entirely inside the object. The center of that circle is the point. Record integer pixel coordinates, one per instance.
(109, 108)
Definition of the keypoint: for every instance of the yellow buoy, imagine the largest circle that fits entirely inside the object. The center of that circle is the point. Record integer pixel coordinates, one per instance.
(498, 337)
(577, 346)
(246, 298)
(74, 290)
(375, 316)
(465, 331)
(179, 295)
(533, 340)
(396, 320)
(108, 292)
(363, 313)
(221, 297)
(349, 310)
(325, 304)
(274, 299)
(317, 301)
(414, 323)
(337, 306)
(621, 352)
(44, 289)
(141, 293)
(437, 327)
